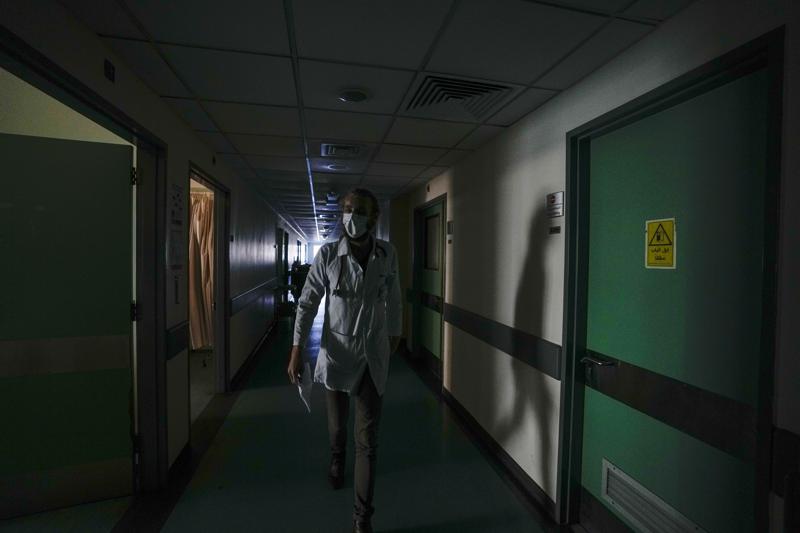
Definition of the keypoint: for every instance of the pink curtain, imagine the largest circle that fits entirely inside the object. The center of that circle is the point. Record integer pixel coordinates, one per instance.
(201, 270)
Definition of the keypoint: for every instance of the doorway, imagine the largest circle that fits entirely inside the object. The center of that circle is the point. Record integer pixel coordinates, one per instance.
(66, 328)
(428, 284)
(207, 293)
(668, 338)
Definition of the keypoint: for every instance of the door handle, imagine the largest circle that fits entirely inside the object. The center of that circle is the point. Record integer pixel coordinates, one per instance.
(597, 362)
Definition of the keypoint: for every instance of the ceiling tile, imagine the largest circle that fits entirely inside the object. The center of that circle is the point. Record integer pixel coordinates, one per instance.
(148, 65)
(384, 182)
(252, 25)
(322, 83)
(234, 76)
(427, 132)
(268, 145)
(394, 169)
(234, 161)
(217, 141)
(290, 164)
(299, 178)
(321, 164)
(432, 172)
(191, 112)
(480, 136)
(341, 125)
(395, 153)
(656, 10)
(255, 119)
(104, 18)
(527, 102)
(396, 34)
(602, 6)
(509, 40)
(452, 157)
(598, 50)
(336, 179)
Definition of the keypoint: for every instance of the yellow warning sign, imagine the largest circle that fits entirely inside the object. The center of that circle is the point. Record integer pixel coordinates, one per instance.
(660, 247)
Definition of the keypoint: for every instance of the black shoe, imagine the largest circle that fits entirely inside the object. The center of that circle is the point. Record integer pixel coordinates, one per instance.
(362, 527)
(336, 473)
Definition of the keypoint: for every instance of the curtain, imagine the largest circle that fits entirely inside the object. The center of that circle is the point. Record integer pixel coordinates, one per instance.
(201, 270)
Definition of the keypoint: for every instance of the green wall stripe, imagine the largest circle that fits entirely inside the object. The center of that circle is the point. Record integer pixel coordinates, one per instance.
(57, 356)
(718, 421)
(245, 299)
(534, 351)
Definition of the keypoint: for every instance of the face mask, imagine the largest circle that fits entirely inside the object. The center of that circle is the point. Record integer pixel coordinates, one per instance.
(354, 225)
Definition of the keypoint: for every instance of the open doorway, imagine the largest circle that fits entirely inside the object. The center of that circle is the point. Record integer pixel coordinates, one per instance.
(203, 338)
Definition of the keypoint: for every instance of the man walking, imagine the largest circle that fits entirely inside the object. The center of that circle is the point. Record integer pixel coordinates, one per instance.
(358, 277)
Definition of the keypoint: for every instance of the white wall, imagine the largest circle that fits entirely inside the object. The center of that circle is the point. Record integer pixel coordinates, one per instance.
(504, 266)
(53, 31)
(26, 110)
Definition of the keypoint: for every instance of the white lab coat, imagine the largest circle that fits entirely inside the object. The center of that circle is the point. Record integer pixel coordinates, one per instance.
(361, 312)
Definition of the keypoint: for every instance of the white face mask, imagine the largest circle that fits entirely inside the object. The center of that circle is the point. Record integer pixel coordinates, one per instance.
(355, 225)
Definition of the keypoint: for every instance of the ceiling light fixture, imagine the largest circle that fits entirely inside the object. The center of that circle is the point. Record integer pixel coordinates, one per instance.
(336, 166)
(353, 96)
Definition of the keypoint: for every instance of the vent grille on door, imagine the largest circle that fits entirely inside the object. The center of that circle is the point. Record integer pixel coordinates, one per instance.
(644, 510)
(440, 95)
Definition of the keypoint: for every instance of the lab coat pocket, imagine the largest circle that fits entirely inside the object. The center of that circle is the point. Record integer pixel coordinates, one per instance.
(341, 318)
(340, 350)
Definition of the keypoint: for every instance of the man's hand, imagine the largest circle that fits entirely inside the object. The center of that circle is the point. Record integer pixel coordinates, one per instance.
(394, 342)
(295, 365)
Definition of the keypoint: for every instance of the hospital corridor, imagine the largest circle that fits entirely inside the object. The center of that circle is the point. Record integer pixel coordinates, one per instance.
(455, 266)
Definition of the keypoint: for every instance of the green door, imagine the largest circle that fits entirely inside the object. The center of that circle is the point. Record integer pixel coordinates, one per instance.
(428, 282)
(669, 425)
(65, 327)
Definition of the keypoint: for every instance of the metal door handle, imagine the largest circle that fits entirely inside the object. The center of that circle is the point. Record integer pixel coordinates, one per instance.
(597, 362)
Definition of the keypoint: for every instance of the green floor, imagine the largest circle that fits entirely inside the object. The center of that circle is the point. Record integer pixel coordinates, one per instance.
(98, 517)
(266, 469)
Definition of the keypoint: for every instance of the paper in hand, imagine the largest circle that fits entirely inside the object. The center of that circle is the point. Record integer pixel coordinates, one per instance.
(304, 386)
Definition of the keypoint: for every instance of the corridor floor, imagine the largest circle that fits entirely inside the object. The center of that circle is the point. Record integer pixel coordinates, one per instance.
(266, 468)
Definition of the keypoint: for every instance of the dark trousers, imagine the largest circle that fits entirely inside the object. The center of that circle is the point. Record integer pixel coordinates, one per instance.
(368, 415)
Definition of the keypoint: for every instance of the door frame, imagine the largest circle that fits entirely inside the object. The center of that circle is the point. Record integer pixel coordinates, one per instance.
(148, 394)
(765, 51)
(222, 277)
(434, 364)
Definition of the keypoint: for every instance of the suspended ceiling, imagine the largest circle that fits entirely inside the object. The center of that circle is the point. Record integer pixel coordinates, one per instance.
(258, 80)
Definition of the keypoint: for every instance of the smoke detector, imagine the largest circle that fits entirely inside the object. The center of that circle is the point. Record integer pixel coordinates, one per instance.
(353, 95)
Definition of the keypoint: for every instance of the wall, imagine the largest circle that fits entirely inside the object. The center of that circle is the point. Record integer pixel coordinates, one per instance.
(26, 110)
(54, 32)
(503, 265)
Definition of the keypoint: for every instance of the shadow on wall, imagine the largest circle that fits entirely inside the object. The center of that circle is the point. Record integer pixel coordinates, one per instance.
(528, 390)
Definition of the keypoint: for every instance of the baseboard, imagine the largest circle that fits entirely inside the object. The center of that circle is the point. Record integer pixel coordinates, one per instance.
(241, 375)
(150, 511)
(517, 475)
(535, 498)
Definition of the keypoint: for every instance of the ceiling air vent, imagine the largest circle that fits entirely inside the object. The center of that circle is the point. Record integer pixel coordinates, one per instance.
(340, 150)
(457, 98)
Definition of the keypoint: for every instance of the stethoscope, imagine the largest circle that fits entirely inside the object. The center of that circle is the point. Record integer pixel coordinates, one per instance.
(338, 292)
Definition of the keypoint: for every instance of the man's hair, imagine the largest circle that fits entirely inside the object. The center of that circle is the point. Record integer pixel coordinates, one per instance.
(363, 193)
